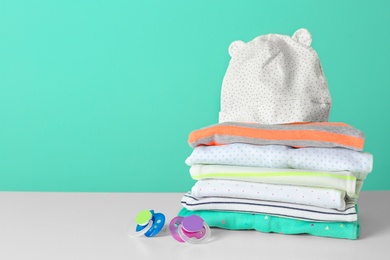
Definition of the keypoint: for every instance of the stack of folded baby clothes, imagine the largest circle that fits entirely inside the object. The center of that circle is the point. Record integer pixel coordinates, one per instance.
(274, 163)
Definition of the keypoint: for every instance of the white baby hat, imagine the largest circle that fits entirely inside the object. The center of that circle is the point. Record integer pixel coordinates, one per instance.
(275, 79)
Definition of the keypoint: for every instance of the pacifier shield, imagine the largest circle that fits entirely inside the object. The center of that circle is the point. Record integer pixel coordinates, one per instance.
(174, 226)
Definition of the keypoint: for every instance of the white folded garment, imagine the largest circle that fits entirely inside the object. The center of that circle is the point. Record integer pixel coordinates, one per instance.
(342, 180)
(288, 210)
(280, 156)
(319, 197)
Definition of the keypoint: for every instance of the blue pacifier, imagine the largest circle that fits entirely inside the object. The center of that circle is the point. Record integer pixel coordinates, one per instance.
(147, 223)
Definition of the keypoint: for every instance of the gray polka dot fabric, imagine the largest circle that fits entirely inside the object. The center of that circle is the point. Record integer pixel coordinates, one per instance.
(275, 79)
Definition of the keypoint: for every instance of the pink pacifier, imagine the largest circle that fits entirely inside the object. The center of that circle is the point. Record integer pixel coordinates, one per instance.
(191, 229)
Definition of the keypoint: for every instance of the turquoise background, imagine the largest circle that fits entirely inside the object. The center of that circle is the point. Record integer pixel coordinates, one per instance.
(101, 95)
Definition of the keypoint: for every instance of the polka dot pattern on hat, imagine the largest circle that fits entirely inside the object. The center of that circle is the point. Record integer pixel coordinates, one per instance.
(275, 79)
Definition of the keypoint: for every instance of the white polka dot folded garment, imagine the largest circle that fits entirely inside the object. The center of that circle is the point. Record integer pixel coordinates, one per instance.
(280, 156)
(319, 197)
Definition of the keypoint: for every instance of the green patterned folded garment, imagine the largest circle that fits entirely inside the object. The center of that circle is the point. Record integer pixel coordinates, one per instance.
(267, 223)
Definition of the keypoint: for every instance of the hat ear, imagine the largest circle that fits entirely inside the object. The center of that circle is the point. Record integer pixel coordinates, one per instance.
(235, 47)
(302, 36)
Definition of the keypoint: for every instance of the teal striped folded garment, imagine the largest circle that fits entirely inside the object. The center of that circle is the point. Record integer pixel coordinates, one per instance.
(273, 224)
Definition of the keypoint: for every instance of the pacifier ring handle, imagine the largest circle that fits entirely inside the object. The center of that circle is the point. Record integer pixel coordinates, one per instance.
(138, 233)
(205, 232)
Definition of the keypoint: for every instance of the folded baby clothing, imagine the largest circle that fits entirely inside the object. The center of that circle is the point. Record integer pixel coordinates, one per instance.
(322, 134)
(284, 157)
(269, 223)
(341, 180)
(273, 162)
(320, 197)
(275, 208)
(277, 185)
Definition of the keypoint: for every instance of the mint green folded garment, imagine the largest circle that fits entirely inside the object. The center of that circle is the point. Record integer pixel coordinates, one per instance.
(266, 223)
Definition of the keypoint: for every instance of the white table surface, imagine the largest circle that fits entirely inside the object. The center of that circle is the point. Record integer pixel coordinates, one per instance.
(94, 226)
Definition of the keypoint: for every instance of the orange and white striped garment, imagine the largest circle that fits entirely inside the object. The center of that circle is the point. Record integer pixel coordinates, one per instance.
(298, 135)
